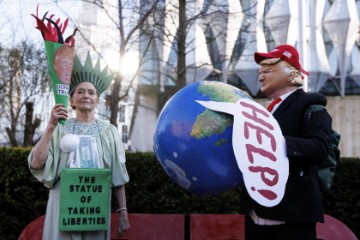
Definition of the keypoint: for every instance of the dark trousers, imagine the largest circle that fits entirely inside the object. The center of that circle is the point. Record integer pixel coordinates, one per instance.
(287, 231)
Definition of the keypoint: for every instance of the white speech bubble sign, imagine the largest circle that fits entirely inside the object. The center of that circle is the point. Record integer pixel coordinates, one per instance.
(259, 148)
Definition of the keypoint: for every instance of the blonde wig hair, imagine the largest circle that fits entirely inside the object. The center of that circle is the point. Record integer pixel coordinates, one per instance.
(295, 75)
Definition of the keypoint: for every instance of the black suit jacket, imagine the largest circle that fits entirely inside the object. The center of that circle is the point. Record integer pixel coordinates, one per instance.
(306, 144)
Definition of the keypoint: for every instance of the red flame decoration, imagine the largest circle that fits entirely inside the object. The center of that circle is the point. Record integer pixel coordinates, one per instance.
(52, 31)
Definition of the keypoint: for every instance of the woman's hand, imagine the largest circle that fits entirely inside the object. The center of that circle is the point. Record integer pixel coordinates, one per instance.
(57, 113)
(41, 149)
(123, 222)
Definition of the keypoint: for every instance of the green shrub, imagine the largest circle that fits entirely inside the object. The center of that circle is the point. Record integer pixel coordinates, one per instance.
(342, 201)
(22, 197)
(150, 190)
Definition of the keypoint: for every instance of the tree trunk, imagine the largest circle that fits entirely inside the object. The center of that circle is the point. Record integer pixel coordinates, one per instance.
(181, 45)
(114, 100)
(12, 137)
(30, 126)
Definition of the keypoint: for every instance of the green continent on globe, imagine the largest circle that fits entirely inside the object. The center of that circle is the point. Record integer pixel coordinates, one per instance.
(218, 93)
(210, 122)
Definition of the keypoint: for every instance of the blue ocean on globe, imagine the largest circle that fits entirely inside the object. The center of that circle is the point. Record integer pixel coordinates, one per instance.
(194, 144)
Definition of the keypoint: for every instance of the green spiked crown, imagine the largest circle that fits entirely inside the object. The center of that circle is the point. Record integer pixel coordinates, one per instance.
(89, 73)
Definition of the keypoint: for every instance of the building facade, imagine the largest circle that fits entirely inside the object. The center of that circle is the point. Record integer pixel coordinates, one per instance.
(222, 37)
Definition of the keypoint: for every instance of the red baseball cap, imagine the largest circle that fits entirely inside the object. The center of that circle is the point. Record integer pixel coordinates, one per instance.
(285, 52)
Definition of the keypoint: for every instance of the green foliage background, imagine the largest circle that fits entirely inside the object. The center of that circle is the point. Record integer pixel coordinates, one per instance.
(150, 190)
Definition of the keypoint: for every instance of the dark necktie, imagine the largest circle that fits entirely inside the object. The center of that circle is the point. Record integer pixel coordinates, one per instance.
(273, 103)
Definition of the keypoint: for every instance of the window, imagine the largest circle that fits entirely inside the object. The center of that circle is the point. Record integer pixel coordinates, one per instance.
(124, 133)
(122, 114)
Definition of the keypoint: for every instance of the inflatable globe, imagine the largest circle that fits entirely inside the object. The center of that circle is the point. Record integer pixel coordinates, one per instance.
(194, 144)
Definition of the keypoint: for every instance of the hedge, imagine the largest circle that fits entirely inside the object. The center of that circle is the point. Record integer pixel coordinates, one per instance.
(22, 198)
